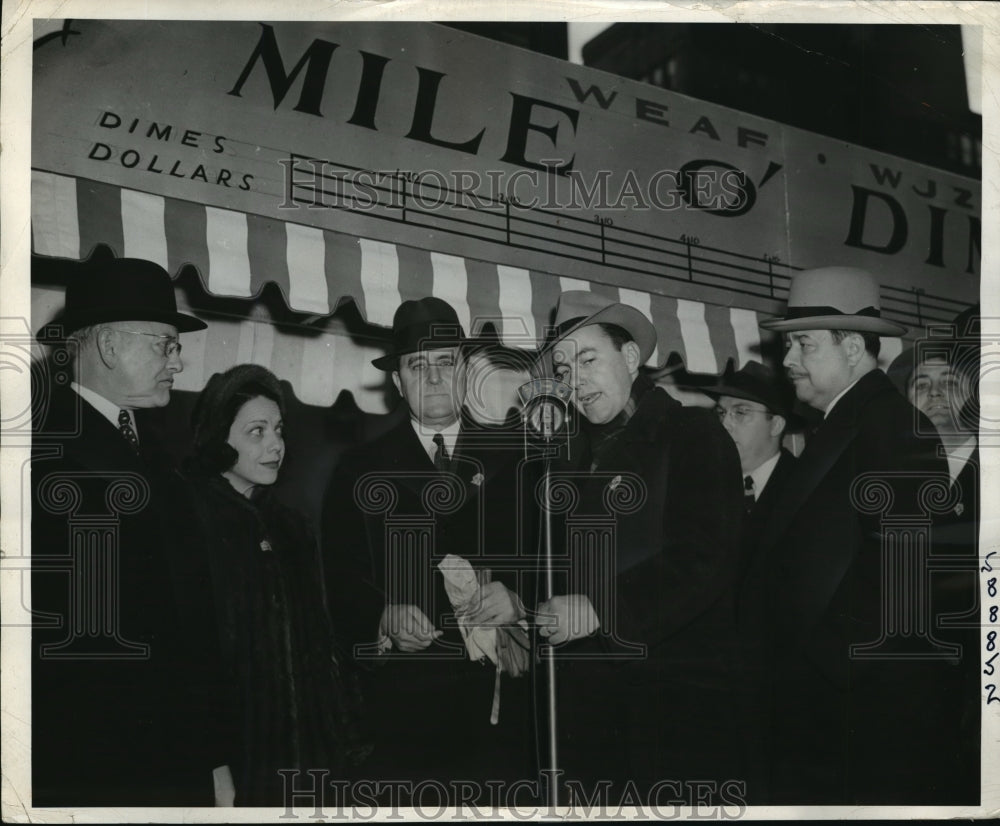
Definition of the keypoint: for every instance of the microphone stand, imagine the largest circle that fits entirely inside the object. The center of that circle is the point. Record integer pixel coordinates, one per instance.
(554, 392)
(550, 661)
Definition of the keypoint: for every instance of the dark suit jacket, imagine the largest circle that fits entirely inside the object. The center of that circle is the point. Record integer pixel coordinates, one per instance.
(110, 725)
(750, 654)
(958, 607)
(762, 507)
(672, 488)
(847, 728)
(388, 520)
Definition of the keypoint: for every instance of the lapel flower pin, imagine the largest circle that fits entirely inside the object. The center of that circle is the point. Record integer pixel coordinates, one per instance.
(959, 509)
(477, 480)
(265, 545)
(614, 483)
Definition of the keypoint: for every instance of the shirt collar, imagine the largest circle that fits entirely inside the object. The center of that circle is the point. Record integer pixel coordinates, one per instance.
(762, 473)
(108, 409)
(839, 396)
(426, 436)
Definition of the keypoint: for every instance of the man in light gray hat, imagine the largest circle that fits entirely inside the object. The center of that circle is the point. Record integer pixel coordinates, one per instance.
(665, 578)
(860, 713)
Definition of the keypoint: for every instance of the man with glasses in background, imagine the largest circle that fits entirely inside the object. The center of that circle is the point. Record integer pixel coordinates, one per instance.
(754, 409)
(111, 717)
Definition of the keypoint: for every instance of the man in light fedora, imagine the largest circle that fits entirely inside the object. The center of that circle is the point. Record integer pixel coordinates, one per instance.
(110, 722)
(434, 486)
(640, 624)
(863, 708)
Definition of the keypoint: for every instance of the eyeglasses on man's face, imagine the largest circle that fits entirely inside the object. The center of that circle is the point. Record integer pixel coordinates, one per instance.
(740, 412)
(167, 346)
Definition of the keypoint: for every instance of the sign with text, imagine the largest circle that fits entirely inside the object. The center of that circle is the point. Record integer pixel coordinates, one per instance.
(422, 135)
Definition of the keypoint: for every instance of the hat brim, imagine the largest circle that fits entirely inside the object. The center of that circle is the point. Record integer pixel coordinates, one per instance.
(716, 390)
(793, 421)
(390, 361)
(60, 328)
(854, 323)
(622, 315)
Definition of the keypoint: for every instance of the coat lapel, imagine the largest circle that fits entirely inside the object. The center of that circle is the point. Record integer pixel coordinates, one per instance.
(821, 453)
(642, 429)
(772, 490)
(100, 446)
(407, 456)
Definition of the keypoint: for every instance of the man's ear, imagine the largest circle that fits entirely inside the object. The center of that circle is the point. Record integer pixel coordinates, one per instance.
(106, 342)
(777, 424)
(854, 348)
(630, 350)
(395, 381)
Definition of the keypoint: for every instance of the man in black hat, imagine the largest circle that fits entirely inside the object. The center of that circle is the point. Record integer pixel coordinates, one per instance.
(641, 620)
(754, 408)
(108, 717)
(755, 411)
(422, 533)
(863, 706)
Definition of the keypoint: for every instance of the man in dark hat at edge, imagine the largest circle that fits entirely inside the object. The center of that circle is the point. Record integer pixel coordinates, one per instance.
(641, 623)
(857, 714)
(111, 725)
(939, 376)
(430, 703)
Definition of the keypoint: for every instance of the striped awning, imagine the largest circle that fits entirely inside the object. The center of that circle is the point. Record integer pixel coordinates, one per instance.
(236, 254)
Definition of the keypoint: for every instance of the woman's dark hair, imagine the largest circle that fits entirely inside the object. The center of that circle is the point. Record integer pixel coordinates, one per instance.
(216, 409)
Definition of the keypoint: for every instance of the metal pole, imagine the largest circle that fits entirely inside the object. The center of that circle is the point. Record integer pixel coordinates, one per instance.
(550, 662)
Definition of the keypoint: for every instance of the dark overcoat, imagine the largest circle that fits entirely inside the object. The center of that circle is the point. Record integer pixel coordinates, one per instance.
(768, 496)
(271, 674)
(389, 518)
(648, 697)
(752, 682)
(852, 720)
(958, 606)
(113, 722)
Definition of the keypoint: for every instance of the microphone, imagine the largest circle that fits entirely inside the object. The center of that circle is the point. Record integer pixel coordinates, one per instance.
(545, 406)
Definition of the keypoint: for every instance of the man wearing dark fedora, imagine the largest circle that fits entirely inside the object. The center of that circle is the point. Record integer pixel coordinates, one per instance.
(402, 515)
(755, 410)
(642, 619)
(862, 708)
(110, 726)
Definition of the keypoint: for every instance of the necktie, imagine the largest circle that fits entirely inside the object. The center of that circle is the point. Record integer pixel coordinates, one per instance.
(125, 426)
(748, 497)
(441, 454)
